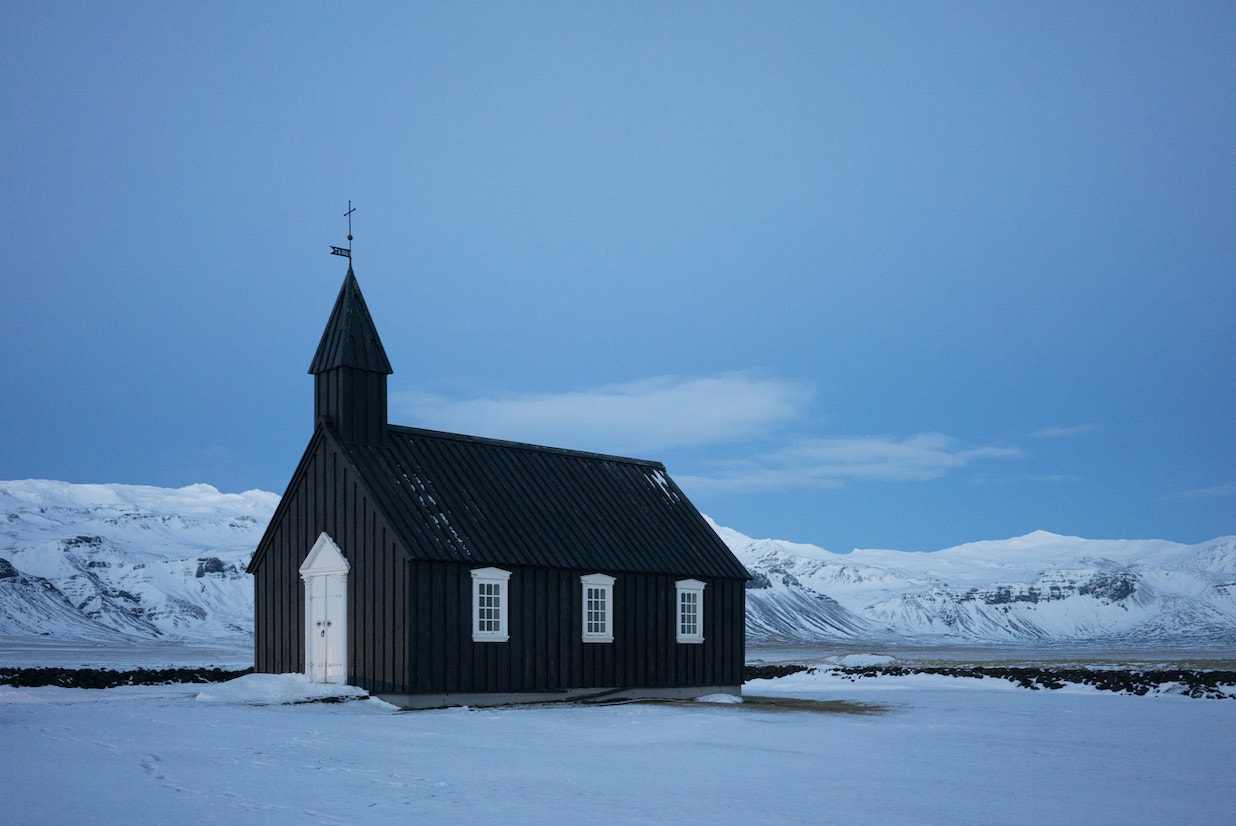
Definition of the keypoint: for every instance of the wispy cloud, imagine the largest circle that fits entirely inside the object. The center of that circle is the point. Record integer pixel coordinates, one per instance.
(830, 463)
(735, 409)
(1062, 432)
(1024, 478)
(633, 417)
(1221, 491)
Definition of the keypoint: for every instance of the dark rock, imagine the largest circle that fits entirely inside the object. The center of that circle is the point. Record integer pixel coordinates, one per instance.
(1004, 595)
(1193, 683)
(758, 582)
(210, 565)
(106, 678)
(1114, 586)
(771, 672)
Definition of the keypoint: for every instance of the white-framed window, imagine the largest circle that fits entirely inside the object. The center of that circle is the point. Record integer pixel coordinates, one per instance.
(690, 613)
(598, 605)
(490, 595)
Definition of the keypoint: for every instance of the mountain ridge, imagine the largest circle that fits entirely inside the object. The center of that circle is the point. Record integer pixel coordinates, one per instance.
(1038, 588)
(130, 562)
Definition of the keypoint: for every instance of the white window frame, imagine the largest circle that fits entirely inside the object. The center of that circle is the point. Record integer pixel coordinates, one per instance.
(494, 582)
(603, 585)
(689, 592)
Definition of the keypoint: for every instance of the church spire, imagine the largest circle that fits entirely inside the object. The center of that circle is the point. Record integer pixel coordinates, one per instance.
(350, 369)
(350, 338)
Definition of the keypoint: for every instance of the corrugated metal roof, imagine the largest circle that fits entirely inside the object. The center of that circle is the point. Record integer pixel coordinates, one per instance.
(350, 338)
(486, 501)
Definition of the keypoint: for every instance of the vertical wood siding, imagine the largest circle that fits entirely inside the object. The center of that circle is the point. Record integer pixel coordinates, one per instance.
(545, 651)
(410, 621)
(355, 401)
(325, 496)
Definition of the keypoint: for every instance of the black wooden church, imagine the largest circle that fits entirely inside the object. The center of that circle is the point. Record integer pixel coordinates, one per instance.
(437, 569)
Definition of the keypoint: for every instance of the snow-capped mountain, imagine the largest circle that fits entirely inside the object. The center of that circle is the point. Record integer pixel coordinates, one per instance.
(99, 562)
(1037, 588)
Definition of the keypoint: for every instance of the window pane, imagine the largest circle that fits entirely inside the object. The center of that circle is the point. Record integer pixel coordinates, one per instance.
(489, 607)
(596, 608)
(688, 613)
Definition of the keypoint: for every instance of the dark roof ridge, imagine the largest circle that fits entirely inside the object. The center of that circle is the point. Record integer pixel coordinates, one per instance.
(562, 451)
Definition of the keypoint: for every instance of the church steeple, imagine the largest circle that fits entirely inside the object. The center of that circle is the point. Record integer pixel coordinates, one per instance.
(350, 369)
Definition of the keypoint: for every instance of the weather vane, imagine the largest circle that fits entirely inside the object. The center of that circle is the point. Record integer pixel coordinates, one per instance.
(346, 252)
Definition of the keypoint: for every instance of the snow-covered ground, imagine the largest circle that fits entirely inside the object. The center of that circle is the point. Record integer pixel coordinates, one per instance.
(944, 750)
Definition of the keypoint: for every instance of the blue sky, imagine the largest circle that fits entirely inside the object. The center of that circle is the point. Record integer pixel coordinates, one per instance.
(861, 274)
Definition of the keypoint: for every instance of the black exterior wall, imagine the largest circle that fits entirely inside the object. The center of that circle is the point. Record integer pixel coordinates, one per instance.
(409, 621)
(546, 651)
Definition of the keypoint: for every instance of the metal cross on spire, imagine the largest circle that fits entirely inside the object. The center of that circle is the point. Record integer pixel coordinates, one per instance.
(346, 252)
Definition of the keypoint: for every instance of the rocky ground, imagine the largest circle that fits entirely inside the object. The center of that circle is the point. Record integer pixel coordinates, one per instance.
(1213, 684)
(106, 678)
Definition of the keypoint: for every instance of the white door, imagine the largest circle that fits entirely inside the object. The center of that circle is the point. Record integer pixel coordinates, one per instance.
(325, 607)
(325, 571)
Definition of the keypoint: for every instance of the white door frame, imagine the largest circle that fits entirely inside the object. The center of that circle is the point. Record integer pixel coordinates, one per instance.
(325, 572)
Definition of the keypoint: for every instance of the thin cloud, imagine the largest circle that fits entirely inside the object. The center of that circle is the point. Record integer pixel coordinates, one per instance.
(831, 463)
(1221, 491)
(1062, 432)
(1024, 478)
(655, 414)
(639, 416)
